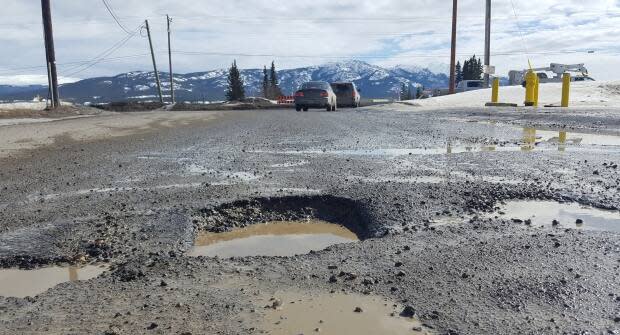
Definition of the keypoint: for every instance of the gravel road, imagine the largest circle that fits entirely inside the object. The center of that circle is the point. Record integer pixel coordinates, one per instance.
(418, 187)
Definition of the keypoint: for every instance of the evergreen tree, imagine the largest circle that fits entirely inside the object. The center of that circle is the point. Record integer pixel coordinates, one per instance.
(479, 70)
(459, 72)
(403, 92)
(236, 91)
(274, 89)
(466, 71)
(265, 88)
(472, 69)
(409, 93)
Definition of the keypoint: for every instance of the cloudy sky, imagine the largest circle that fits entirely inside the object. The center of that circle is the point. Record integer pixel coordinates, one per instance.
(209, 34)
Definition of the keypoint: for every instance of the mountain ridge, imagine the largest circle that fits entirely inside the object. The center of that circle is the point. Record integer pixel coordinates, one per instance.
(374, 82)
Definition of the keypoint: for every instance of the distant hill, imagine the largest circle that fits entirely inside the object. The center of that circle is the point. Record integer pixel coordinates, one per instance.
(374, 82)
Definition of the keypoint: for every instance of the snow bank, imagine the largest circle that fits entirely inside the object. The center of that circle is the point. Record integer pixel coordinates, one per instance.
(30, 105)
(583, 94)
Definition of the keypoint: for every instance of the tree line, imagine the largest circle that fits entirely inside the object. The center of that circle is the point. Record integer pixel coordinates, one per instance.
(270, 88)
(471, 69)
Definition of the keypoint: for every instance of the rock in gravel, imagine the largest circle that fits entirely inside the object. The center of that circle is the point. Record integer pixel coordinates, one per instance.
(579, 221)
(408, 312)
(333, 279)
(152, 326)
(555, 223)
(358, 310)
(368, 281)
(276, 303)
(398, 264)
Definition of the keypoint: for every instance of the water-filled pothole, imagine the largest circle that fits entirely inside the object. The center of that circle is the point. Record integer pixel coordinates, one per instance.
(298, 313)
(280, 226)
(279, 238)
(22, 283)
(565, 215)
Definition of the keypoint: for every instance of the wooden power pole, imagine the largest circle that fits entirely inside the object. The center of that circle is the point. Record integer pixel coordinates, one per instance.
(50, 54)
(487, 44)
(148, 31)
(170, 62)
(453, 49)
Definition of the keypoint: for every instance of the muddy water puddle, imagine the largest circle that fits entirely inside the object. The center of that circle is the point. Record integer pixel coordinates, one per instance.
(566, 215)
(22, 283)
(278, 238)
(336, 314)
(531, 139)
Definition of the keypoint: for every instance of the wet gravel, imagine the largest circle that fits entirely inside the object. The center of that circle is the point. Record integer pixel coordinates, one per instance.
(137, 201)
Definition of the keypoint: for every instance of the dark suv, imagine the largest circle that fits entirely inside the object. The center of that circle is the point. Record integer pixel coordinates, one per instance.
(348, 95)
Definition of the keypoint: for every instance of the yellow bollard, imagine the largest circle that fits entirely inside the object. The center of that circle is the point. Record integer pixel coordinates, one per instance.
(530, 85)
(565, 89)
(536, 91)
(495, 92)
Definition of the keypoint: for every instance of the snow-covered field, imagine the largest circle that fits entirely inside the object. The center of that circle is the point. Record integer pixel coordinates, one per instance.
(583, 94)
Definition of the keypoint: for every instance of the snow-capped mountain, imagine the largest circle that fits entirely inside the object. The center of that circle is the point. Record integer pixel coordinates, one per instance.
(373, 81)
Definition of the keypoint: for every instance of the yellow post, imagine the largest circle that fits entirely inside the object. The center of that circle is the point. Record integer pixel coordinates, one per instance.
(530, 85)
(536, 91)
(565, 89)
(495, 93)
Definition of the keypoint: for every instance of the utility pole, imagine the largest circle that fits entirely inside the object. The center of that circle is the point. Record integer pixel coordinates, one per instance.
(170, 61)
(50, 54)
(453, 50)
(148, 31)
(487, 44)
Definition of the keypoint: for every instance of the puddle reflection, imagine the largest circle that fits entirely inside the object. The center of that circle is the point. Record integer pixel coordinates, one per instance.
(272, 239)
(22, 283)
(543, 213)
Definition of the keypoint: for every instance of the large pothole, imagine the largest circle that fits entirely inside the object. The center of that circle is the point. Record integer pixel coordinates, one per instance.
(278, 226)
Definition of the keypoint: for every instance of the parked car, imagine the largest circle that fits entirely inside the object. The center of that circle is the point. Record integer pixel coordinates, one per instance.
(470, 85)
(315, 94)
(347, 93)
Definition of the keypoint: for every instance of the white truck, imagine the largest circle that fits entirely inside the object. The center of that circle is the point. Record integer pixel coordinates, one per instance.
(517, 77)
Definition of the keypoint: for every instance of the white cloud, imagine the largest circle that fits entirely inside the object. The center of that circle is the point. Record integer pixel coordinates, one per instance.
(309, 33)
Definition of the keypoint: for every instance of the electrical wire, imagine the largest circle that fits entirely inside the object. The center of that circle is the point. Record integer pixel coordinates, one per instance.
(103, 55)
(107, 6)
(523, 40)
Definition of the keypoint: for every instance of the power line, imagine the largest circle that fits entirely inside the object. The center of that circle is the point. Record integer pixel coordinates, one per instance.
(507, 53)
(514, 10)
(96, 60)
(107, 6)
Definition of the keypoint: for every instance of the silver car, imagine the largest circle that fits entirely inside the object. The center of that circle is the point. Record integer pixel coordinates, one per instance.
(316, 94)
(347, 93)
